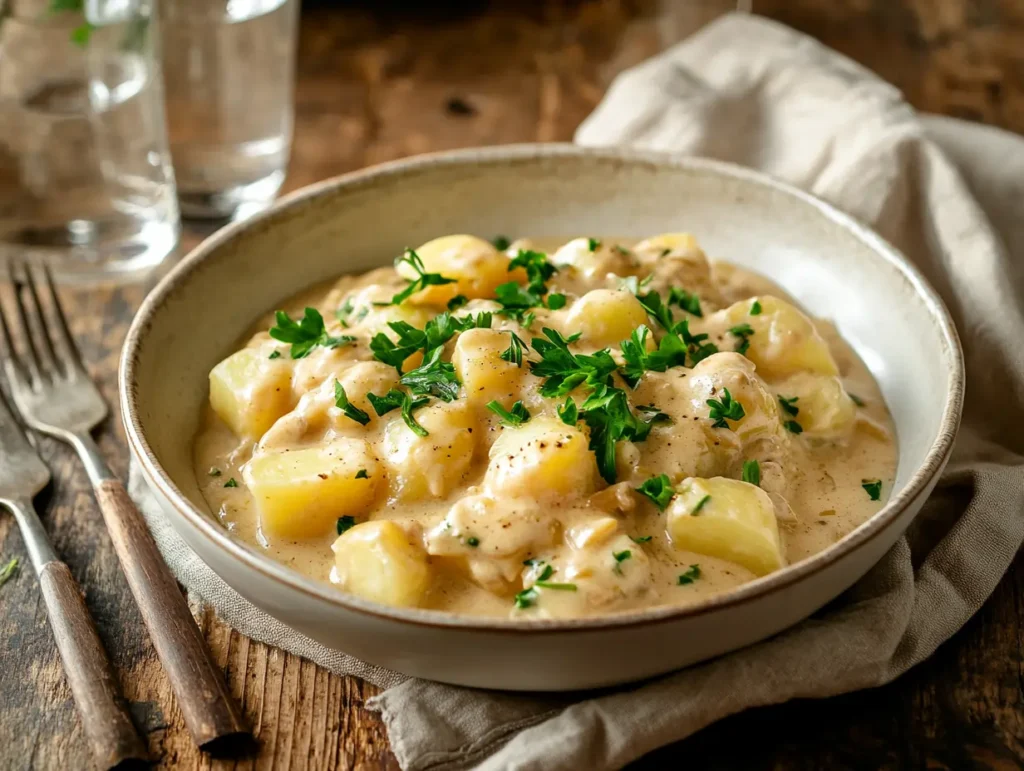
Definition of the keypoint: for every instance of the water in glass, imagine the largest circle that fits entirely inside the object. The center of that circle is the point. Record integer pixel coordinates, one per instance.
(85, 174)
(229, 69)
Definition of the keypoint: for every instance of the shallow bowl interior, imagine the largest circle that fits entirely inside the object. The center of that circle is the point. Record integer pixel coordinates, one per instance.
(837, 269)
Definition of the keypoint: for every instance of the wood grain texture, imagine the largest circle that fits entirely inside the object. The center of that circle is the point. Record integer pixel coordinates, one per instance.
(374, 86)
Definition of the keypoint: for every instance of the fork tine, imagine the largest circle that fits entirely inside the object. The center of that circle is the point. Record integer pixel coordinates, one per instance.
(28, 363)
(12, 366)
(60, 332)
(46, 350)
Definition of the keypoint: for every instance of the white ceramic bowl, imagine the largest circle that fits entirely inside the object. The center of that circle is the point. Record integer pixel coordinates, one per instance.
(836, 267)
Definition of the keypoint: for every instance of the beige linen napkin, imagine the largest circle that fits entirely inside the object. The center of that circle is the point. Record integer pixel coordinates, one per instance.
(750, 91)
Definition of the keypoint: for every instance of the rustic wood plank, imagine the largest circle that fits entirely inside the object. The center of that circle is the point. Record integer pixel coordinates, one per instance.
(377, 86)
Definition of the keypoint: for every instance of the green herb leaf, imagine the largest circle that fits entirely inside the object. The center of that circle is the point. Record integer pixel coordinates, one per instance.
(516, 417)
(700, 505)
(568, 412)
(274, 355)
(433, 377)
(620, 557)
(641, 539)
(422, 280)
(306, 334)
(743, 332)
(755, 308)
(556, 301)
(793, 427)
(873, 487)
(526, 598)
(558, 586)
(231, 483)
(593, 244)
(457, 302)
(361, 474)
(514, 352)
(659, 489)
(348, 409)
(724, 409)
(789, 405)
(606, 411)
(563, 370)
(546, 573)
(395, 399)
(345, 523)
(473, 541)
(689, 576)
(501, 243)
(689, 302)
(9, 570)
(538, 269)
(752, 472)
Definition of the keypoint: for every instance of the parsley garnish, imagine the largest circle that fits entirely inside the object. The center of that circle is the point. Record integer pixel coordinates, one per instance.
(856, 399)
(231, 483)
(688, 301)
(395, 399)
(659, 490)
(593, 244)
(755, 308)
(793, 427)
(538, 269)
(565, 370)
(306, 334)
(743, 332)
(526, 598)
(8, 571)
(214, 471)
(546, 573)
(348, 409)
(473, 541)
(342, 313)
(457, 302)
(689, 576)
(671, 352)
(433, 377)
(568, 412)
(501, 243)
(641, 539)
(514, 352)
(620, 557)
(752, 472)
(606, 411)
(700, 505)
(789, 405)
(679, 336)
(345, 523)
(873, 487)
(361, 474)
(275, 355)
(556, 301)
(724, 409)
(516, 417)
(554, 585)
(438, 331)
(422, 280)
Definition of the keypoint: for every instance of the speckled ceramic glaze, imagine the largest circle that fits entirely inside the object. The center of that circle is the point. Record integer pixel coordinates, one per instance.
(837, 268)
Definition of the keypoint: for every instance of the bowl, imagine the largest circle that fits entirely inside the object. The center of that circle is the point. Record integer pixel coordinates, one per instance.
(836, 267)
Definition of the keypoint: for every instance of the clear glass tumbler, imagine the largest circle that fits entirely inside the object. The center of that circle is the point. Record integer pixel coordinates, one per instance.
(229, 69)
(85, 173)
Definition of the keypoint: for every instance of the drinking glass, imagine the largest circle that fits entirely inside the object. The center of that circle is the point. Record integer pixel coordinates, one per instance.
(229, 68)
(85, 174)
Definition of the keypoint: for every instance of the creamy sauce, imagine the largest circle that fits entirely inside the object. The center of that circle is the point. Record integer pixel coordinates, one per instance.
(473, 513)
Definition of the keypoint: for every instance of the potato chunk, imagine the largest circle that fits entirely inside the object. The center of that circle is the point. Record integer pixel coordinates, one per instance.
(606, 317)
(485, 375)
(784, 340)
(728, 519)
(605, 257)
(823, 408)
(543, 459)
(301, 493)
(250, 391)
(379, 561)
(431, 466)
(475, 264)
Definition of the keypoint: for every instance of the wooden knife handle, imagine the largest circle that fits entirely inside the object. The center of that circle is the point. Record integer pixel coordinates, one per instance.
(210, 713)
(109, 730)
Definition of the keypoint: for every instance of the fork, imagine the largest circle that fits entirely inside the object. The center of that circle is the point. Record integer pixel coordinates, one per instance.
(109, 730)
(56, 396)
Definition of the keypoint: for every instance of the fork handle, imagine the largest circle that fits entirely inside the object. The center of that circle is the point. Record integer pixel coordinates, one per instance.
(210, 713)
(111, 735)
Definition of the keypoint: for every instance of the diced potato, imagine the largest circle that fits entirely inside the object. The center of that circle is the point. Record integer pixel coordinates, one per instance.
(603, 259)
(606, 317)
(378, 561)
(728, 519)
(301, 493)
(675, 260)
(485, 375)
(824, 409)
(670, 245)
(543, 459)
(475, 264)
(249, 391)
(433, 465)
(784, 340)
(721, 371)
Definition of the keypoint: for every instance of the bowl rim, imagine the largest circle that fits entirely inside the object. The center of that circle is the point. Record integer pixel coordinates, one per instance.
(218, 537)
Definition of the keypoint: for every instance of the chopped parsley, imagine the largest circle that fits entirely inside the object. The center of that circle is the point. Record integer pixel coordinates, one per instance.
(593, 244)
(538, 269)
(755, 308)
(688, 301)
(231, 483)
(689, 576)
(555, 585)
(700, 505)
(345, 523)
(395, 399)
(348, 409)
(752, 472)
(606, 411)
(433, 377)
(457, 302)
(563, 370)
(305, 334)
(641, 539)
(556, 301)
(789, 405)
(514, 417)
(275, 355)
(361, 474)
(568, 412)
(743, 332)
(546, 573)
(473, 541)
(501, 243)
(659, 490)
(671, 352)
(514, 352)
(422, 280)
(342, 313)
(9, 570)
(793, 427)
(526, 598)
(724, 409)
(620, 557)
(873, 487)
(516, 300)
(438, 331)
(856, 400)
(678, 338)
(214, 471)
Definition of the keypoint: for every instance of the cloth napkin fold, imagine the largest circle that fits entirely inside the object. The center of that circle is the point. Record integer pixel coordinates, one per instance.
(750, 91)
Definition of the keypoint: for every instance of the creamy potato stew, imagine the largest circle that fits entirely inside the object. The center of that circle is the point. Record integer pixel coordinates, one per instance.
(502, 430)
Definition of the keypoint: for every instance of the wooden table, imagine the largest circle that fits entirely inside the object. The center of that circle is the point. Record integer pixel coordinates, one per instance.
(377, 87)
